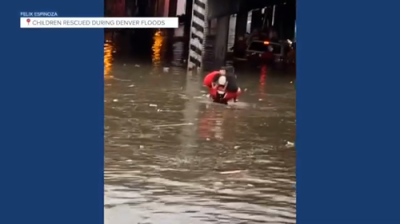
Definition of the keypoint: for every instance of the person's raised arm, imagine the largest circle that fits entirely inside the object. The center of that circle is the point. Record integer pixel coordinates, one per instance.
(215, 81)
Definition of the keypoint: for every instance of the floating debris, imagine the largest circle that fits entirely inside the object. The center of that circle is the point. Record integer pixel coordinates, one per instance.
(137, 66)
(289, 144)
(231, 172)
(173, 125)
(130, 86)
(141, 147)
(166, 69)
(115, 100)
(236, 147)
(152, 105)
(218, 184)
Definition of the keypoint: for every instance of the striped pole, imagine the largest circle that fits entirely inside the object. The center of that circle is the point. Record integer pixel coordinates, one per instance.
(198, 29)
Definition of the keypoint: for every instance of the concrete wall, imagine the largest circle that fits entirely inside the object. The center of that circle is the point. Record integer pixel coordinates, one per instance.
(221, 40)
(220, 8)
(231, 34)
(180, 7)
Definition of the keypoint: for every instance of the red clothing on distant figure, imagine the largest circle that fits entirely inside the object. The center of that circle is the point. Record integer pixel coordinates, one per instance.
(267, 56)
(209, 79)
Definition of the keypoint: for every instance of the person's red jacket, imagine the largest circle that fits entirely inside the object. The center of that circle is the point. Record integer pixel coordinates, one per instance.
(208, 80)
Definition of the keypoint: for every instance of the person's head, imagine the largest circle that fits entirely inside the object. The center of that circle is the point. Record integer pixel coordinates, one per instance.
(222, 71)
(222, 80)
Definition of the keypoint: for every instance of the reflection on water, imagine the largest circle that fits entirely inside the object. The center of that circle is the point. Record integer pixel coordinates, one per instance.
(215, 124)
(263, 78)
(108, 49)
(172, 157)
(210, 125)
(157, 45)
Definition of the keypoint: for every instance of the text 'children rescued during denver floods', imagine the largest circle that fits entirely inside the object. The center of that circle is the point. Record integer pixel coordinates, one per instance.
(121, 22)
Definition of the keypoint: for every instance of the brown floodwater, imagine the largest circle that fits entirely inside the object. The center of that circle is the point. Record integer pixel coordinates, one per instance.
(172, 156)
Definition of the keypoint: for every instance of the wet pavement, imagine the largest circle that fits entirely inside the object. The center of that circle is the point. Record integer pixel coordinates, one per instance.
(171, 156)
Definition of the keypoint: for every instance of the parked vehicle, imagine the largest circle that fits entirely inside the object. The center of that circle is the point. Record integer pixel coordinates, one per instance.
(259, 51)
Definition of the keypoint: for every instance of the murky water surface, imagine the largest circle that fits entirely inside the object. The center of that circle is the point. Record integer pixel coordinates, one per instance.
(171, 156)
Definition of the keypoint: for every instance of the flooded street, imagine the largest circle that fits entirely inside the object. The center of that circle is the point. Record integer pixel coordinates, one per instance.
(172, 156)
